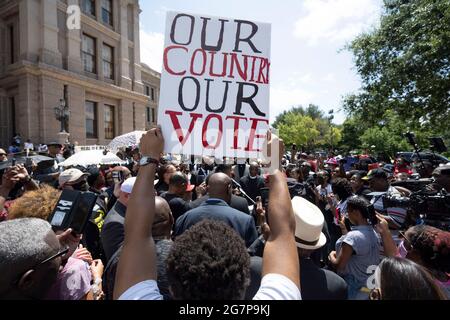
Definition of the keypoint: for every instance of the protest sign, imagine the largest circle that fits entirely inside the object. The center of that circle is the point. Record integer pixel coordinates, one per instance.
(214, 96)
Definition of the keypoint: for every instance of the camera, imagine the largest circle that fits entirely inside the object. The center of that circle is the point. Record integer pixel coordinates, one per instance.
(73, 210)
(411, 138)
(429, 208)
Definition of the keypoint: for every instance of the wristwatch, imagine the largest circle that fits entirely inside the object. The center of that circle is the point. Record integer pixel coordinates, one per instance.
(147, 160)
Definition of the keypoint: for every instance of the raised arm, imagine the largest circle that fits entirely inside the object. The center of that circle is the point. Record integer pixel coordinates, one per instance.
(390, 248)
(280, 253)
(138, 257)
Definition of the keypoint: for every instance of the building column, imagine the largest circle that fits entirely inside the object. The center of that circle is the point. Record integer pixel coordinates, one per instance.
(77, 121)
(2, 49)
(49, 52)
(124, 59)
(28, 107)
(5, 125)
(52, 91)
(74, 46)
(99, 42)
(125, 114)
(101, 121)
(141, 117)
(30, 37)
(138, 86)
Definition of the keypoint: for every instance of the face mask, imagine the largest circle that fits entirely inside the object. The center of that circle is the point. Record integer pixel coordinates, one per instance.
(402, 250)
(81, 186)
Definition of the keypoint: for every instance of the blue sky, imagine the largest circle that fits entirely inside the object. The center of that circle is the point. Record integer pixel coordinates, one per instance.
(307, 36)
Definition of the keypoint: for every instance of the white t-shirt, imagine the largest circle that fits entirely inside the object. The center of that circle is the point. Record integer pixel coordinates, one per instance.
(145, 290)
(277, 287)
(273, 287)
(28, 145)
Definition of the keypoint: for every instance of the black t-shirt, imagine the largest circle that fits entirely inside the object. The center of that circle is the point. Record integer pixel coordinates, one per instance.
(252, 187)
(177, 205)
(320, 284)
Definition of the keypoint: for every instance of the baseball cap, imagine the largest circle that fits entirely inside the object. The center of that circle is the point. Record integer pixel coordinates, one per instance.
(70, 176)
(180, 179)
(127, 185)
(376, 173)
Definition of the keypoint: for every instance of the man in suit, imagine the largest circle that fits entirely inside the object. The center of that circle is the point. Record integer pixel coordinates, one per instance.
(317, 283)
(236, 202)
(253, 182)
(216, 207)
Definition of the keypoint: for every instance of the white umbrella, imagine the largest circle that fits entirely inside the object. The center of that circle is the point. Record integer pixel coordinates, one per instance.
(126, 140)
(92, 157)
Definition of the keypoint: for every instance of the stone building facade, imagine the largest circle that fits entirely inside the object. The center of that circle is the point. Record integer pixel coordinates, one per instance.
(96, 68)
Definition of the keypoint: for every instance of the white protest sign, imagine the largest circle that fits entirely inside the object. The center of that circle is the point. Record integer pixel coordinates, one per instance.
(215, 86)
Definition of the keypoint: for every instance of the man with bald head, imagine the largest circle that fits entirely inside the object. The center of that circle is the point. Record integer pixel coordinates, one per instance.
(217, 208)
(253, 182)
(30, 257)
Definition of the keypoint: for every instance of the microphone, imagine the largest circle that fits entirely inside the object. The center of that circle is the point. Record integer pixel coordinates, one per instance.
(236, 183)
(243, 192)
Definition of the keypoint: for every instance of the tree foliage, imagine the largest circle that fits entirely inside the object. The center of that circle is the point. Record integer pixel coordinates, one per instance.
(307, 127)
(405, 65)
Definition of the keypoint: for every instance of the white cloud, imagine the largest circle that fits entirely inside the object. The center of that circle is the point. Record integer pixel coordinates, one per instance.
(152, 46)
(336, 21)
(283, 98)
(330, 77)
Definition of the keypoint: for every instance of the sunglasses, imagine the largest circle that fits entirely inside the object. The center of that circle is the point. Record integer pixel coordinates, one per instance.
(3, 154)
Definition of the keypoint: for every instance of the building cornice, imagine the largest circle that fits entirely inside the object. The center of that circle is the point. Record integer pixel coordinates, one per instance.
(95, 86)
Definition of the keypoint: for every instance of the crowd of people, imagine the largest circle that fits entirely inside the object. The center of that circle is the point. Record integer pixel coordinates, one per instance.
(313, 228)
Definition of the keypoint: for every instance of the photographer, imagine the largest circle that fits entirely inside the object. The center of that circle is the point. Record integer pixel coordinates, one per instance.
(441, 176)
(378, 182)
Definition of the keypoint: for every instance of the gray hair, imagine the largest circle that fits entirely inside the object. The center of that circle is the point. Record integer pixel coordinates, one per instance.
(23, 244)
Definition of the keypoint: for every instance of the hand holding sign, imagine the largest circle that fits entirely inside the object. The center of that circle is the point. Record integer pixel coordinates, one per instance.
(273, 152)
(152, 143)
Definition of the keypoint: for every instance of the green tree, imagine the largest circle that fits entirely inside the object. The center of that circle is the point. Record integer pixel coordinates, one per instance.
(299, 129)
(317, 124)
(405, 65)
(352, 130)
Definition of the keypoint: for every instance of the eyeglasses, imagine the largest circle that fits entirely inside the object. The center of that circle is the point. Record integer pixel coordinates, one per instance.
(60, 253)
(3, 154)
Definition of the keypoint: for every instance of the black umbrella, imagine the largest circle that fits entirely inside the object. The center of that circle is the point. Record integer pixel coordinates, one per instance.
(23, 160)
